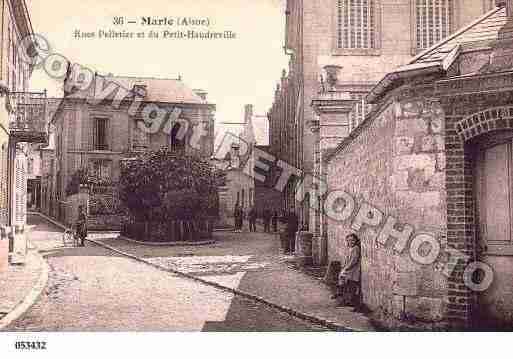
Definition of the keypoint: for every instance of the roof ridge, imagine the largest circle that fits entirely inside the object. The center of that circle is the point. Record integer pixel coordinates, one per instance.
(456, 34)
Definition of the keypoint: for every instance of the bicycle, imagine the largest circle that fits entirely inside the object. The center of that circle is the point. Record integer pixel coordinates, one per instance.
(70, 238)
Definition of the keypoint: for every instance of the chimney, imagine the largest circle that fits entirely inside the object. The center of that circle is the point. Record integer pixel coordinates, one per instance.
(201, 93)
(248, 113)
(234, 155)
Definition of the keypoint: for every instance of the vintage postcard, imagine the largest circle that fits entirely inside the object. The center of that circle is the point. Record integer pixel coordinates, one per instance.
(255, 166)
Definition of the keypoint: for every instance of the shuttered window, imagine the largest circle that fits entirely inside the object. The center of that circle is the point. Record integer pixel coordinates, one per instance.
(101, 133)
(21, 191)
(356, 24)
(434, 21)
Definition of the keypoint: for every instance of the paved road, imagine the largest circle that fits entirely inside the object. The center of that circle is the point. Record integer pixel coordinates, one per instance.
(92, 289)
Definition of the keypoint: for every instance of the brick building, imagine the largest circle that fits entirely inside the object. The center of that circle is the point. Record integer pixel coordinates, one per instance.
(425, 181)
(22, 120)
(358, 42)
(95, 130)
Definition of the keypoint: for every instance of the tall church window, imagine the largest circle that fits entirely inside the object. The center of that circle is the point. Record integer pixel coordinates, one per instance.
(433, 21)
(356, 24)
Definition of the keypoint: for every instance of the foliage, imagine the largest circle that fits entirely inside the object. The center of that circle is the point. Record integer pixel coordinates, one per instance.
(165, 185)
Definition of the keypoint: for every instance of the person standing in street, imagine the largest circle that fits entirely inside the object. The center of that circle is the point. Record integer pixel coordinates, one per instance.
(348, 288)
(240, 218)
(252, 217)
(267, 220)
(81, 225)
(274, 221)
(292, 227)
(236, 211)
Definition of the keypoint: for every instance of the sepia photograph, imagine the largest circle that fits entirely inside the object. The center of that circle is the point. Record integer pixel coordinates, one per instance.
(175, 167)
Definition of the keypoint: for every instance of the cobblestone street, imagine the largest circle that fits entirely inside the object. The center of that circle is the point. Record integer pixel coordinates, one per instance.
(92, 289)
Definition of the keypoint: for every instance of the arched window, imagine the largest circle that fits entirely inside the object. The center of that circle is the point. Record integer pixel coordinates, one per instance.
(433, 21)
(356, 24)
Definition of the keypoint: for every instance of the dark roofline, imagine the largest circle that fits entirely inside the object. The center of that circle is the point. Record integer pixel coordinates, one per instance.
(456, 34)
(390, 81)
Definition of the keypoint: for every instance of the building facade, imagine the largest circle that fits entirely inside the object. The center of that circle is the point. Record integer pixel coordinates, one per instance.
(22, 120)
(360, 41)
(239, 165)
(93, 132)
(424, 181)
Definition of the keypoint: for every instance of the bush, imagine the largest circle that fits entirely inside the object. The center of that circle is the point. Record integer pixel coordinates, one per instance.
(174, 195)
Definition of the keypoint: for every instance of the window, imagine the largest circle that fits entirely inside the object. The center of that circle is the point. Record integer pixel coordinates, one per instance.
(140, 138)
(356, 24)
(30, 166)
(360, 110)
(494, 189)
(488, 5)
(101, 133)
(101, 169)
(177, 137)
(433, 19)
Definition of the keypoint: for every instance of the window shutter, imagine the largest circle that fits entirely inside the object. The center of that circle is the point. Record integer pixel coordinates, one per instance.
(21, 190)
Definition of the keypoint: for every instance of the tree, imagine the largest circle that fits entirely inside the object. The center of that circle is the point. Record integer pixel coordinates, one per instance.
(173, 194)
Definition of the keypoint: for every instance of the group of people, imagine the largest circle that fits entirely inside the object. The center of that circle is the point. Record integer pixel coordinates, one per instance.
(269, 218)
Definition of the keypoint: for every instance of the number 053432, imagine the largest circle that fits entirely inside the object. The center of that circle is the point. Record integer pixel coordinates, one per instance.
(30, 345)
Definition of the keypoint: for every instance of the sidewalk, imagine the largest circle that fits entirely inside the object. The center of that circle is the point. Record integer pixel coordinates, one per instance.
(251, 263)
(21, 285)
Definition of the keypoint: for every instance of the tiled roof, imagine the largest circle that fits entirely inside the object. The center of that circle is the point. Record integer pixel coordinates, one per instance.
(160, 90)
(482, 31)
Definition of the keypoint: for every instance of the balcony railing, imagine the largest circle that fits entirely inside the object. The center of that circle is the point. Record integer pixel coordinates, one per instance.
(28, 116)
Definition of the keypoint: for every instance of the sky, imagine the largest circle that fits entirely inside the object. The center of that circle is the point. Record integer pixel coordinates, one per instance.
(233, 72)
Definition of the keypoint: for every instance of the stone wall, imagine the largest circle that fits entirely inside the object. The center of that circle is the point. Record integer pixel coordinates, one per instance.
(395, 163)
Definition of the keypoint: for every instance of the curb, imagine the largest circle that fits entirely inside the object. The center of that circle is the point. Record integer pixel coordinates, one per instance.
(307, 317)
(31, 297)
(310, 318)
(168, 244)
(156, 244)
